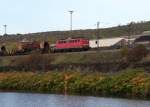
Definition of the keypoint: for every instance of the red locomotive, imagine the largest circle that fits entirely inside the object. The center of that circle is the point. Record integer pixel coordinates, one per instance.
(71, 44)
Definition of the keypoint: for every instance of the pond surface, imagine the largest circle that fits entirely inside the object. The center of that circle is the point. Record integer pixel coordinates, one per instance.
(52, 100)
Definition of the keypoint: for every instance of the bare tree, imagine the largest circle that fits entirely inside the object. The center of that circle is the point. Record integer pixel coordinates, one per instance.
(35, 62)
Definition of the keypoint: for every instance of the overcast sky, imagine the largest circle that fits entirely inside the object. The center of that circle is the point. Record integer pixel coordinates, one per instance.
(25, 16)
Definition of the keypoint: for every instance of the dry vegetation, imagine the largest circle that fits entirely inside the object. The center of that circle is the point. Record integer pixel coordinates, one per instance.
(113, 61)
(133, 83)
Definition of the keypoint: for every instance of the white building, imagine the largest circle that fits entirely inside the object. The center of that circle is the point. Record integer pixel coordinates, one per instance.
(108, 43)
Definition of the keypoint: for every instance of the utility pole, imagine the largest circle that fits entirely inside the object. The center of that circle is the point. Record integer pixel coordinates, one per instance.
(71, 12)
(98, 24)
(5, 29)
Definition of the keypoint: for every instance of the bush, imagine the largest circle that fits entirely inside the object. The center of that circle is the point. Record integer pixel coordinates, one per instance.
(134, 55)
(138, 53)
(124, 54)
(34, 62)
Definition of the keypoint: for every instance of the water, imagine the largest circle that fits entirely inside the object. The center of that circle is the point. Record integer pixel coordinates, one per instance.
(51, 100)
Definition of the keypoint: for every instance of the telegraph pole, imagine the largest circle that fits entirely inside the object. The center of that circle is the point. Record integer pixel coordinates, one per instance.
(98, 24)
(71, 12)
(98, 29)
(5, 29)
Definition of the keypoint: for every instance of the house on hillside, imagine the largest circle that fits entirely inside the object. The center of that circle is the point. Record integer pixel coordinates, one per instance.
(144, 40)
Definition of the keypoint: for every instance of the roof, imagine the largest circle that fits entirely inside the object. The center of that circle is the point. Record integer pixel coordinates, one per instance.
(71, 38)
(109, 42)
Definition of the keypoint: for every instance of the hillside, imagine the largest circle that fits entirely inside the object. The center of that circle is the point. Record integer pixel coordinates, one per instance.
(124, 30)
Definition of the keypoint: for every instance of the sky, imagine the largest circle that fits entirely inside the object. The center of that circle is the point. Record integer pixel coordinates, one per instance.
(29, 16)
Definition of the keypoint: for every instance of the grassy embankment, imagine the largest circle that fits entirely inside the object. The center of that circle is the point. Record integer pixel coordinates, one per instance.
(65, 58)
(130, 83)
(100, 61)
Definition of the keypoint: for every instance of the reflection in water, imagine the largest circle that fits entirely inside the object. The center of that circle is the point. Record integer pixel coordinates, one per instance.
(51, 100)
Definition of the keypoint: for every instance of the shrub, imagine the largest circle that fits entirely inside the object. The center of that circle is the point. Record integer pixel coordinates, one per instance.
(35, 62)
(134, 55)
(138, 53)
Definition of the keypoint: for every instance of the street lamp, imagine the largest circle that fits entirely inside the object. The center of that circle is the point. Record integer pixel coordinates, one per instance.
(5, 29)
(71, 12)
